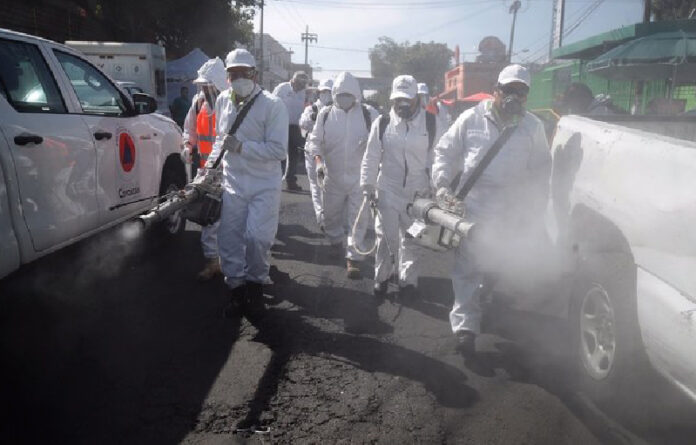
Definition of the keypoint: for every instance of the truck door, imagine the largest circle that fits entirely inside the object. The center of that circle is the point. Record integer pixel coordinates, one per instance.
(125, 151)
(52, 151)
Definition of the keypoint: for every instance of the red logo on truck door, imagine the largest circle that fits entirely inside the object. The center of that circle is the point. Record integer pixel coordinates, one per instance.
(126, 151)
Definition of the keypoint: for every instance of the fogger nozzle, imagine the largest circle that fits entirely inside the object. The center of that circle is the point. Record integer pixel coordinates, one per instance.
(173, 204)
(430, 212)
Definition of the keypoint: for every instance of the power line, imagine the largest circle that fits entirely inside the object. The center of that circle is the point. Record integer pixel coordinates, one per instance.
(382, 5)
(580, 16)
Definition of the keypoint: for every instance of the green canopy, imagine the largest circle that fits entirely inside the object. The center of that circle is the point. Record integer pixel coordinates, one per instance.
(668, 55)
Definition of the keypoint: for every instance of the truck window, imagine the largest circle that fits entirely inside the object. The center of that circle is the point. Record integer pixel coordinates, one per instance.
(96, 94)
(25, 80)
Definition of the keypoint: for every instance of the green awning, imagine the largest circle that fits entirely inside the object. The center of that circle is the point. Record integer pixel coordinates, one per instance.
(662, 56)
(594, 46)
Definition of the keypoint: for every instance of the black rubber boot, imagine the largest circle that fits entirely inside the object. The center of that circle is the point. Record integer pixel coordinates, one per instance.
(237, 302)
(255, 299)
(466, 343)
(408, 293)
(380, 289)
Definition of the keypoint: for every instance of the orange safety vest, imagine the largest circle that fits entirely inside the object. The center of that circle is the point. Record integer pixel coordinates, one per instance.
(205, 128)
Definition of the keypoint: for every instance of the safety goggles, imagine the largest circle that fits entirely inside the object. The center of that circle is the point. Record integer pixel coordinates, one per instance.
(240, 74)
(509, 90)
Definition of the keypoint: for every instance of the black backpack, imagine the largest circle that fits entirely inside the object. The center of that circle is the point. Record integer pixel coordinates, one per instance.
(365, 111)
(429, 126)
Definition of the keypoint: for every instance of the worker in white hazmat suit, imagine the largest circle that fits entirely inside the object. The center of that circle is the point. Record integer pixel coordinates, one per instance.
(508, 200)
(397, 165)
(293, 94)
(433, 106)
(338, 142)
(251, 179)
(198, 136)
(307, 120)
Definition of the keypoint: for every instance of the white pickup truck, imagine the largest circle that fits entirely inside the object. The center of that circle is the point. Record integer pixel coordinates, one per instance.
(623, 194)
(77, 154)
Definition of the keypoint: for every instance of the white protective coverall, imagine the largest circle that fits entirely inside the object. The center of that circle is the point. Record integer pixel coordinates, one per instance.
(212, 71)
(340, 137)
(507, 202)
(398, 167)
(307, 125)
(208, 233)
(252, 185)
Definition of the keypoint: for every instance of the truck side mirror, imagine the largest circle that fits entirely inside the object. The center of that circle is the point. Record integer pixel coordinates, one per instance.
(144, 104)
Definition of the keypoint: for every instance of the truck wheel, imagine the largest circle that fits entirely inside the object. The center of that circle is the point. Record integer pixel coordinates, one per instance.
(604, 327)
(172, 180)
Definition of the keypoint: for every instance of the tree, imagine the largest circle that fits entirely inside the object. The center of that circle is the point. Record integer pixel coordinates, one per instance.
(672, 9)
(181, 25)
(427, 62)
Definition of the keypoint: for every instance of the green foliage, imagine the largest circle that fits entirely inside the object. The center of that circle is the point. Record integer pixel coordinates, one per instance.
(181, 25)
(427, 62)
(672, 9)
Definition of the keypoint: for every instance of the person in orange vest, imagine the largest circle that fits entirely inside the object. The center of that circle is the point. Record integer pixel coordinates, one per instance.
(198, 137)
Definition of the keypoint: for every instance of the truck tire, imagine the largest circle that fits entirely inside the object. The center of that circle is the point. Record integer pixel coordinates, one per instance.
(173, 179)
(605, 334)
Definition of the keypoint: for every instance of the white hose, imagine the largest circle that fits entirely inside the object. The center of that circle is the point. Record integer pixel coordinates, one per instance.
(355, 225)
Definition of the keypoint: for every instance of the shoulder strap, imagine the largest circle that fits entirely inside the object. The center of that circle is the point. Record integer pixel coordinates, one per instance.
(487, 158)
(314, 108)
(325, 116)
(237, 122)
(383, 122)
(430, 127)
(366, 115)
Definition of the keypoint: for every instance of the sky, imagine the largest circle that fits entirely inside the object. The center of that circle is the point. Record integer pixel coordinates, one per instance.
(346, 29)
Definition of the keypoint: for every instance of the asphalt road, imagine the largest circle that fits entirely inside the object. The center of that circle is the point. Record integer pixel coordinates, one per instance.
(114, 341)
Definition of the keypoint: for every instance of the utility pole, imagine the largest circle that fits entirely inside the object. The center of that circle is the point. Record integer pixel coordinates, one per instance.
(514, 7)
(261, 47)
(647, 10)
(557, 24)
(308, 37)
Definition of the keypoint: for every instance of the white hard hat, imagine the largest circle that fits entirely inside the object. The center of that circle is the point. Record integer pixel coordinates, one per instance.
(325, 85)
(404, 86)
(423, 88)
(240, 57)
(514, 73)
(213, 72)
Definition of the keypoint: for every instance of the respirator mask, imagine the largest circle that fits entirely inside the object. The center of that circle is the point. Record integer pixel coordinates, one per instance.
(242, 87)
(345, 101)
(325, 98)
(404, 108)
(512, 101)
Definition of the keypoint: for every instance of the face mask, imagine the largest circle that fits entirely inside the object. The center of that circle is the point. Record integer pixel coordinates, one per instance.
(512, 105)
(345, 102)
(242, 87)
(325, 98)
(403, 109)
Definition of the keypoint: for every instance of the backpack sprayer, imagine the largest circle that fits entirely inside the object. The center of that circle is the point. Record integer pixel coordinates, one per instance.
(441, 226)
(201, 199)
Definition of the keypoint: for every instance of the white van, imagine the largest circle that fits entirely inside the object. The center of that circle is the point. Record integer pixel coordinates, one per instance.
(144, 64)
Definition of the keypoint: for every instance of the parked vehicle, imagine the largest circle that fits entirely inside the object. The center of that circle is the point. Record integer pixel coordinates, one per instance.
(130, 87)
(624, 208)
(143, 64)
(76, 155)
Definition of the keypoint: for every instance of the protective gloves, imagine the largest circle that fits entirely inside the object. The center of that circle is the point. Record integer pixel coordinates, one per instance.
(186, 154)
(320, 169)
(231, 143)
(449, 201)
(368, 191)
